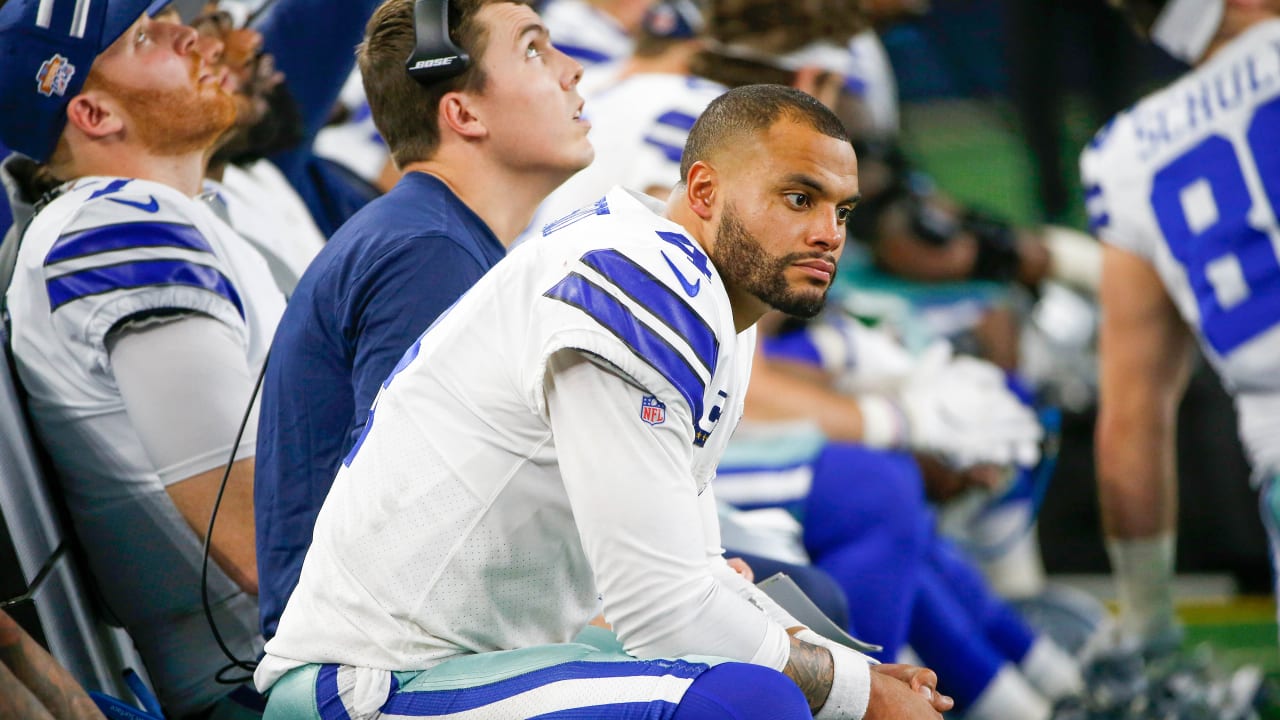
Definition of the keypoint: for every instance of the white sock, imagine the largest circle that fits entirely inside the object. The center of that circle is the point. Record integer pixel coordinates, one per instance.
(1051, 670)
(1143, 570)
(1009, 697)
(1019, 571)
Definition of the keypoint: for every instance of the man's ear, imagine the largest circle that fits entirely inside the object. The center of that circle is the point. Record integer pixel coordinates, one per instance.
(458, 114)
(95, 114)
(701, 189)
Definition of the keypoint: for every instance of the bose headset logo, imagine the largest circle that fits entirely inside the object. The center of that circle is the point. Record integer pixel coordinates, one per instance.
(436, 62)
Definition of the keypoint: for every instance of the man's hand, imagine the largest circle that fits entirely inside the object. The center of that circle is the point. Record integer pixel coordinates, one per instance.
(922, 681)
(741, 567)
(902, 692)
(892, 698)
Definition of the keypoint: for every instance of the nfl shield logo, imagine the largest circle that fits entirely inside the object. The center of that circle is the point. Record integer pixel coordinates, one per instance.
(652, 411)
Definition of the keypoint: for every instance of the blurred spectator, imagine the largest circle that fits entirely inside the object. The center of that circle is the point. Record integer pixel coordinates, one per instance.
(242, 187)
(594, 32)
(314, 79)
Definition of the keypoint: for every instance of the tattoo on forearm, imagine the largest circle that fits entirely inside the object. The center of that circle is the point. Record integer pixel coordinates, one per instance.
(812, 669)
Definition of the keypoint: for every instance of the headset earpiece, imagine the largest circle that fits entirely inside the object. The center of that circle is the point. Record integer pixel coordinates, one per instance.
(435, 57)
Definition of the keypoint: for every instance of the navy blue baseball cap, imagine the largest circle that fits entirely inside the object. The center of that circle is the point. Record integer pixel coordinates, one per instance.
(46, 49)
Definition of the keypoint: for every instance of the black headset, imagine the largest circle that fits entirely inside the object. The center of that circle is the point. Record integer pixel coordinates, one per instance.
(434, 57)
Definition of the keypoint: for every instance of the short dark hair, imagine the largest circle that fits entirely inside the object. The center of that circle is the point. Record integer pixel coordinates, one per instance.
(753, 109)
(405, 111)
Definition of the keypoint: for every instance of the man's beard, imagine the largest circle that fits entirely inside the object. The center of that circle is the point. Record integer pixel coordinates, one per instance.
(174, 122)
(744, 263)
(279, 129)
(270, 120)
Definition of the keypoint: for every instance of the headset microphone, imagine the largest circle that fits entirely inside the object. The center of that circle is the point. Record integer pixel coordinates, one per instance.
(435, 57)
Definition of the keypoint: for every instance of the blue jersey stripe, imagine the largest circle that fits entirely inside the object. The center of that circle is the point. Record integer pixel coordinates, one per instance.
(125, 236)
(441, 702)
(586, 55)
(143, 273)
(679, 120)
(1099, 221)
(673, 152)
(855, 85)
(649, 346)
(599, 207)
(112, 187)
(328, 702)
(654, 296)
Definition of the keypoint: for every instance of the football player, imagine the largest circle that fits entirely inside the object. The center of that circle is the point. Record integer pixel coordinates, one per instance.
(1184, 189)
(139, 321)
(512, 478)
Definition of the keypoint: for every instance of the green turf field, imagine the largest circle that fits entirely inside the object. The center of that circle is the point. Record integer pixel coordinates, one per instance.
(1240, 631)
(972, 150)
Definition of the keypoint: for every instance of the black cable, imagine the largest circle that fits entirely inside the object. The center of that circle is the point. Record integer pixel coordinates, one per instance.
(236, 663)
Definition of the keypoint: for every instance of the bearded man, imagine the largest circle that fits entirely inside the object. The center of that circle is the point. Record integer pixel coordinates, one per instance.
(139, 321)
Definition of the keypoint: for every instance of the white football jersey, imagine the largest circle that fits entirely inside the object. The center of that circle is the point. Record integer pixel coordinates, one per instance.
(104, 251)
(1189, 179)
(265, 209)
(586, 33)
(449, 529)
(638, 128)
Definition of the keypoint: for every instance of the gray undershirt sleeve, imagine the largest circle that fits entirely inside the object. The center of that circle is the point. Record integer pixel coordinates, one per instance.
(185, 382)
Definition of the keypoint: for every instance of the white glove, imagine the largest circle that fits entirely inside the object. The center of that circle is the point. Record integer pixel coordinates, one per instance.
(1074, 258)
(958, 409)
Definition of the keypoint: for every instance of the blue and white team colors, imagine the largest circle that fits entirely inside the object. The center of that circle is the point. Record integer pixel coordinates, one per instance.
(1190, 180)
(453, 528)
(105, 251)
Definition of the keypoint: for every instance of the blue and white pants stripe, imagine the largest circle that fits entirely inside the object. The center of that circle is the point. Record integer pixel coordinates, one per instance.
(573, 680)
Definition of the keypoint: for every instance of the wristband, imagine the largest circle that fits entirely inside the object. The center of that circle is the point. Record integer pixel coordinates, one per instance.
(851, 681)
(883, 423)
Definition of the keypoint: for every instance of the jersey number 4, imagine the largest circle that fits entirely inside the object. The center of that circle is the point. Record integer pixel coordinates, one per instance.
(1211, 219)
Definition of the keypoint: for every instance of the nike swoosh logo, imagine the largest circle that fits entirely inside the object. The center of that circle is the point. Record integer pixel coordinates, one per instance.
(690, 288)
(149, 207)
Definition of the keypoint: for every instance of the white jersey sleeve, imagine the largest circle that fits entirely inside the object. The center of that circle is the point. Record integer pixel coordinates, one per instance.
(654, 310)
(643, 531)
(128, 248)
